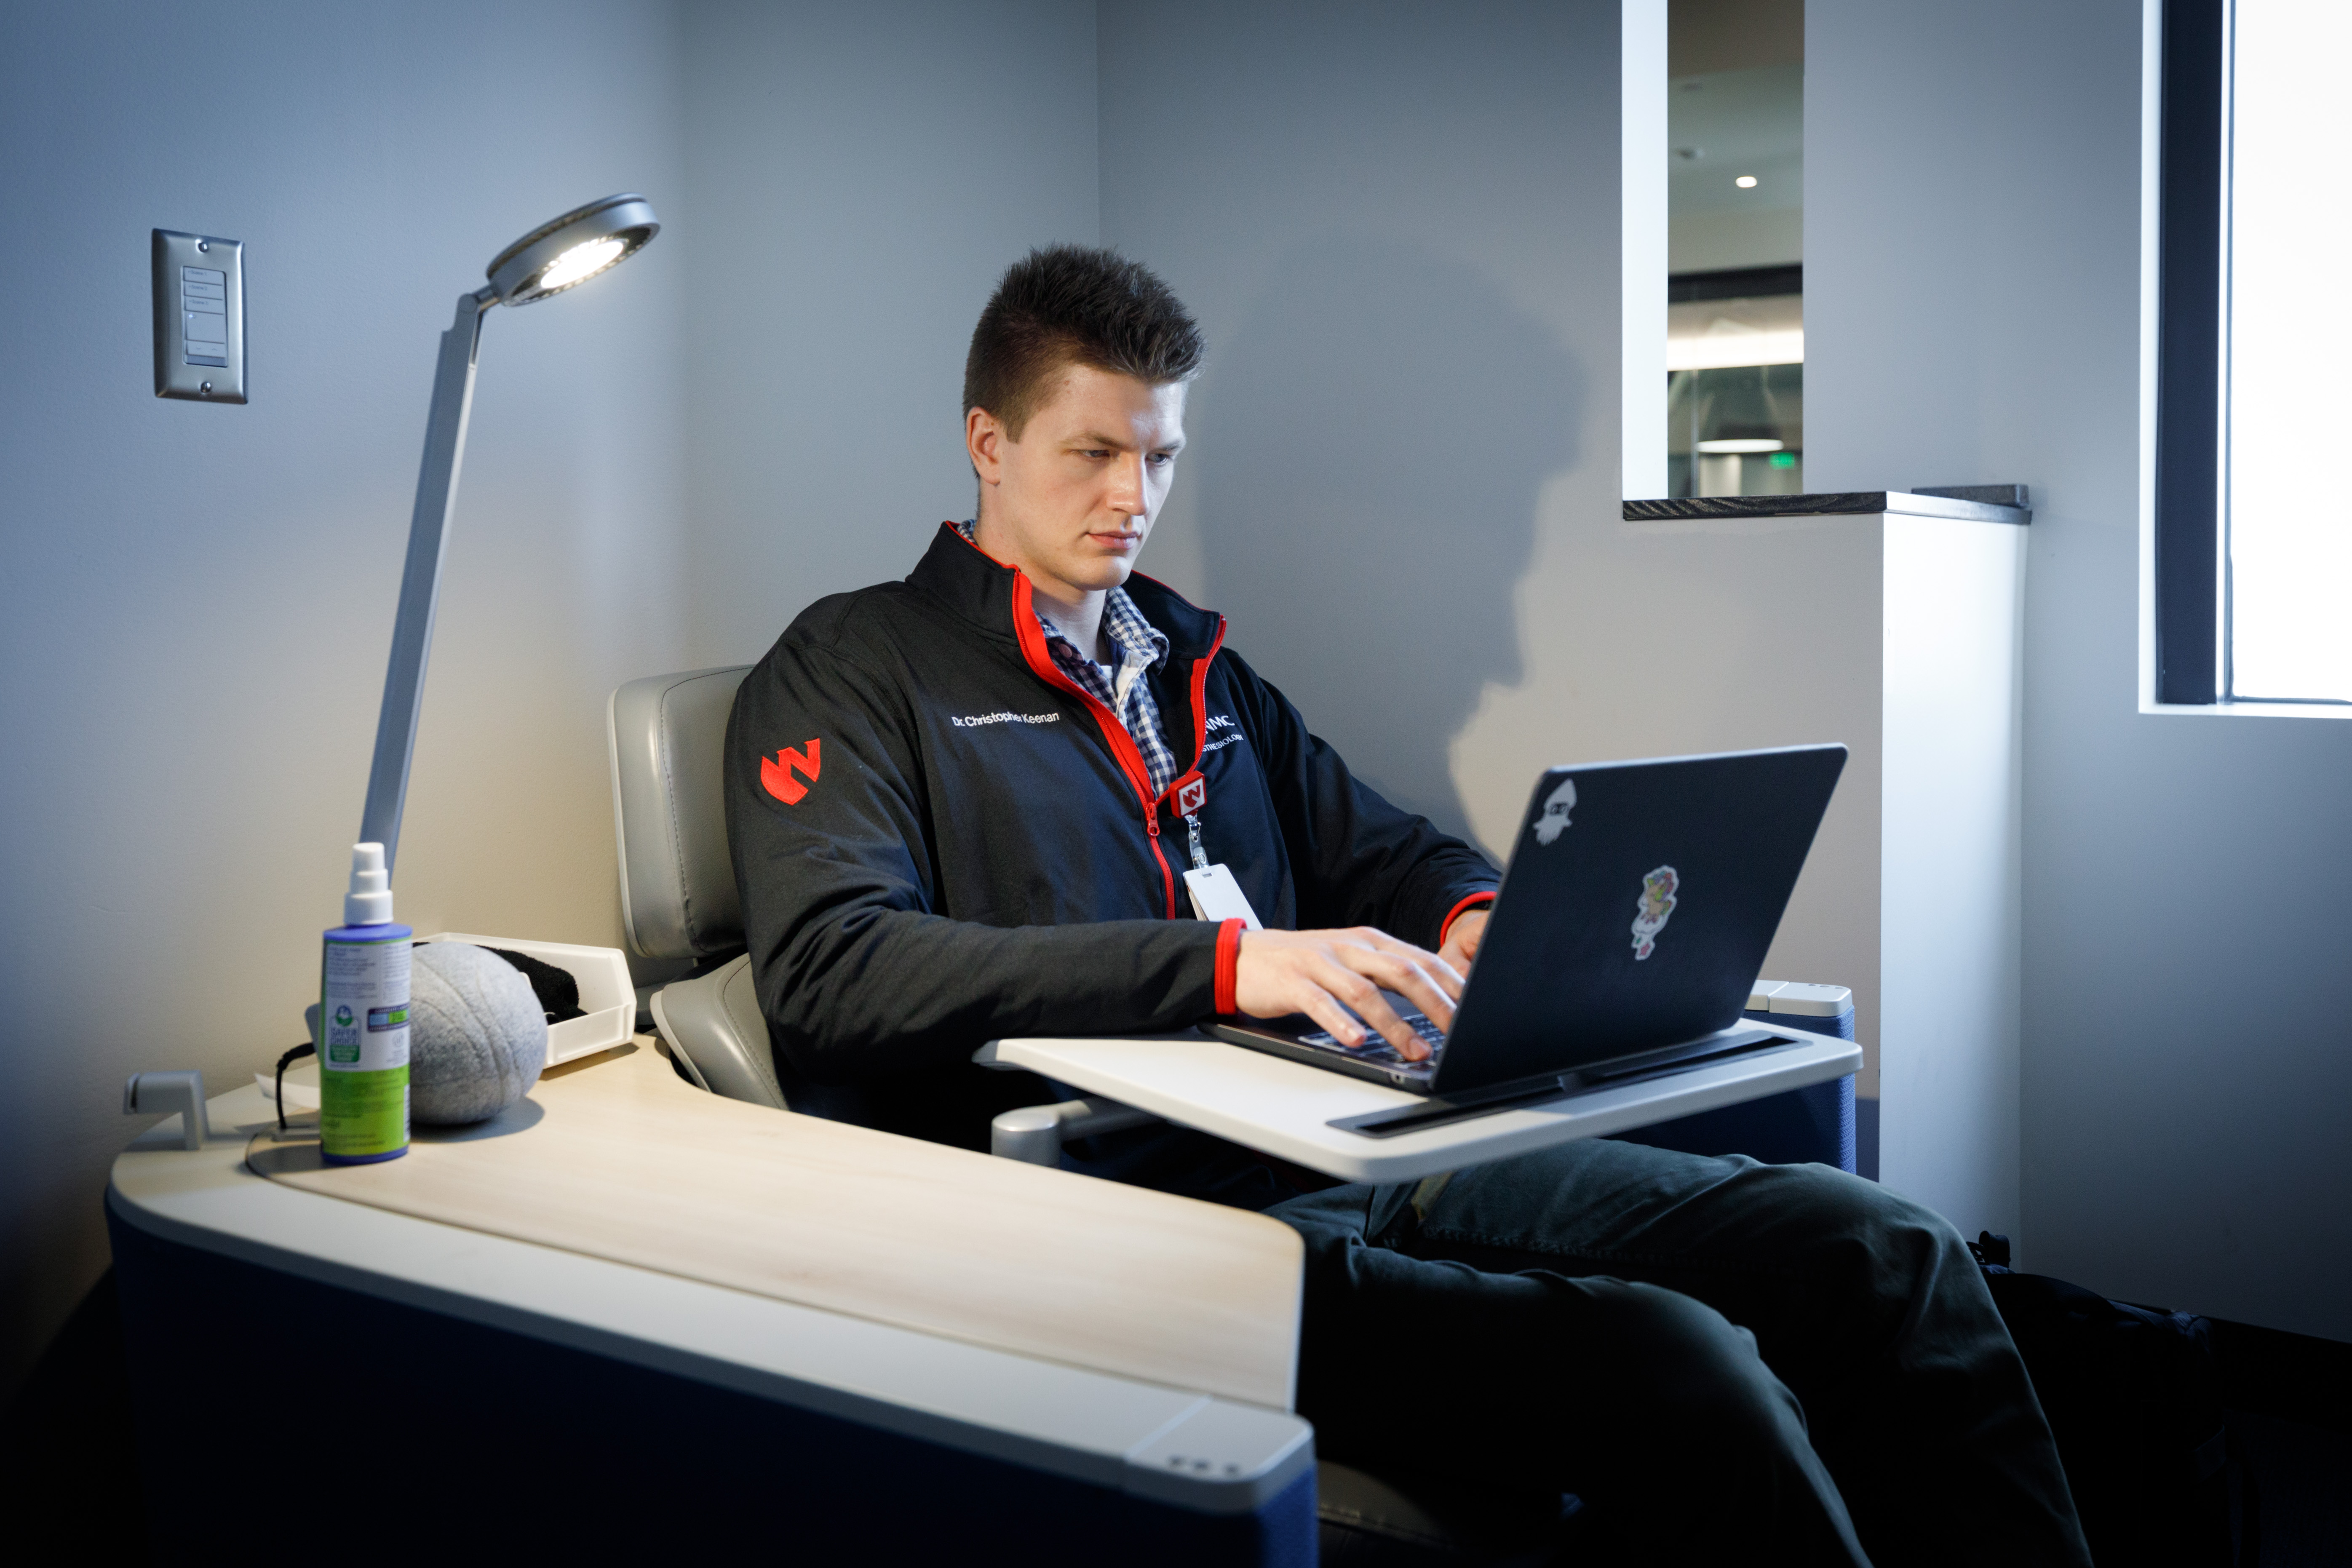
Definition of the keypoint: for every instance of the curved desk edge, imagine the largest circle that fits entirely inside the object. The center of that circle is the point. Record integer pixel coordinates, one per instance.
(1192, 1451)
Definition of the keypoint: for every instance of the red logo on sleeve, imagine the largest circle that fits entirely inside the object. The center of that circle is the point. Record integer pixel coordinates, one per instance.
(776, 773)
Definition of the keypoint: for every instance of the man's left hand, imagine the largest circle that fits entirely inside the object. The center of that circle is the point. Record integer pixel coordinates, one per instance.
(1462, 940)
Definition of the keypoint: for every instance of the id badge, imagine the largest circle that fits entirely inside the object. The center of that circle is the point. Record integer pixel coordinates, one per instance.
(1217, 896)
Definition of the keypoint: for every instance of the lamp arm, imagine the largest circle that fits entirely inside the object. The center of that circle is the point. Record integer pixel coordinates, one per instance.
(420, 579)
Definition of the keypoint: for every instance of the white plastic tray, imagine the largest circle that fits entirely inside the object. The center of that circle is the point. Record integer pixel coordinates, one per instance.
(606, 996)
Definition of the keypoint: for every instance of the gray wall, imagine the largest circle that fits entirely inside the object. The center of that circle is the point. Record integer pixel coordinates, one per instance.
(1398, 223)
(1972, 310)
(201, 598)
(858, 176)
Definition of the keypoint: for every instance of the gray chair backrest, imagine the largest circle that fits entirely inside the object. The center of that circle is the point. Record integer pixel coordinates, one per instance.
(667, 735)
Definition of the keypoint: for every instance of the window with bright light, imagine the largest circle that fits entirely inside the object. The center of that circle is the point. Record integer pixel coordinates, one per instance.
(2254, 527)
(2287, 227)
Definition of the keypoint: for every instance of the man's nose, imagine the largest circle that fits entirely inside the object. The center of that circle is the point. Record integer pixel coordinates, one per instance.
(1126, 485)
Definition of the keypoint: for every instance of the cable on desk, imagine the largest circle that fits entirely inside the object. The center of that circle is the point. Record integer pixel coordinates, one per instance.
(305, 1049)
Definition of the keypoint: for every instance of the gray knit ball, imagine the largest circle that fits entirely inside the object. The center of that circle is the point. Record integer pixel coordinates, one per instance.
(476, 1034)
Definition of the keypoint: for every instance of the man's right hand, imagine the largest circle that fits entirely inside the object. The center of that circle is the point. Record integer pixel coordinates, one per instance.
(1316, 972)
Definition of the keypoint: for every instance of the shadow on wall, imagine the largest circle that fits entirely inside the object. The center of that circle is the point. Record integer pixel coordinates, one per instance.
(1372, 442)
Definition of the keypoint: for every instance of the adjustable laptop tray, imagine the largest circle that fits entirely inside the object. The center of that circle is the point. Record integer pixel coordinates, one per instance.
(1288, 1109)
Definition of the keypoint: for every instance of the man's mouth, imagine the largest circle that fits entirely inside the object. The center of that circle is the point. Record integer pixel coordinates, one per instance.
(1120, 541)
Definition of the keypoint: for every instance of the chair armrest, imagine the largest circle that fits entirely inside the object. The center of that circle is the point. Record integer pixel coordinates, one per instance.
(712, 1024)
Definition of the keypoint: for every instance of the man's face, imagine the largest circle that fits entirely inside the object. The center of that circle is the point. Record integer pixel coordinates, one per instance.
(1071, 502)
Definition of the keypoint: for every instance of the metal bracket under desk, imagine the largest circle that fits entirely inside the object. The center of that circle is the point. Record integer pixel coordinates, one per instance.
(1287, 1108)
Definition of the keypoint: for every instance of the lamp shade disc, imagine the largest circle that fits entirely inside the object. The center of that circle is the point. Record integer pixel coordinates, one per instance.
(568, 251)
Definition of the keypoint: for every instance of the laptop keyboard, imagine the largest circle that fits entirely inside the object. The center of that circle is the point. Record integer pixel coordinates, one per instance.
(1375, 1049)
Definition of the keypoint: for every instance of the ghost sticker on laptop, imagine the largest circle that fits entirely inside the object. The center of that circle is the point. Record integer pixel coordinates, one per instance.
(1554, 820)
(1653, 909)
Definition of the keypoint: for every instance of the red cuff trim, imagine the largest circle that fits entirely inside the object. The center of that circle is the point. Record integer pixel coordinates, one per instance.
(1446, 924)
(1229, 960)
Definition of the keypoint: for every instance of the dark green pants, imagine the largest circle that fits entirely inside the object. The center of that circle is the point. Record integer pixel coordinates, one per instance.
(1728, 1362)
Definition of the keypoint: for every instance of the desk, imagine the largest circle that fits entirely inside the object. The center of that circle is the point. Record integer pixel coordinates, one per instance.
(742, 1416)
(628, 1164)
(1284, 1107)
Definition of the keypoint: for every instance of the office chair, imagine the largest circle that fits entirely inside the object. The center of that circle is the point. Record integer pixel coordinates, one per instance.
(666, 735)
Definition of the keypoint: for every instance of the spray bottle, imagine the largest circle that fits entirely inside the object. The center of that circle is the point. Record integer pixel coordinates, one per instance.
(364, 1023)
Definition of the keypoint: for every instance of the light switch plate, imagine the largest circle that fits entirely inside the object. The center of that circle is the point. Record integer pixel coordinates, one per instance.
(199, 317)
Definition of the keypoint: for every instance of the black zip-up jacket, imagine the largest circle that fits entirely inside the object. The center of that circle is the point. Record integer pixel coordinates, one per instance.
(941, 839)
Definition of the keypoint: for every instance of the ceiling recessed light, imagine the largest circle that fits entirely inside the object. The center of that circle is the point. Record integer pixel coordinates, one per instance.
(1746, 181)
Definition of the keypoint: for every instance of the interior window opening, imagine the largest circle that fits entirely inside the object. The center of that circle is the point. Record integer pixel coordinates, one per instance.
(1735, 291)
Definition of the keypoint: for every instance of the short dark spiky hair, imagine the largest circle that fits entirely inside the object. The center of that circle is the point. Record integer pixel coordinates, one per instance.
(1065, 304)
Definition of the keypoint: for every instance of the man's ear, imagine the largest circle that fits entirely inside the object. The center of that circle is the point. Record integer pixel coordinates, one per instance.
(983, 441)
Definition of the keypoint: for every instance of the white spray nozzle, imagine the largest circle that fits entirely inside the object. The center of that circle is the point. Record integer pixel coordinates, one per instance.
(369, 903)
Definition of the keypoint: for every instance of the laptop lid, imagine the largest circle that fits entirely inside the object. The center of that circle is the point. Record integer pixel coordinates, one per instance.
(1635, 912)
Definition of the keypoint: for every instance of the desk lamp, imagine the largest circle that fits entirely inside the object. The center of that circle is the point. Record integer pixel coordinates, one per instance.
(548, 260)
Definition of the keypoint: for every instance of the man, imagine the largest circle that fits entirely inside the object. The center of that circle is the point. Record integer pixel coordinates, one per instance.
(960, 808)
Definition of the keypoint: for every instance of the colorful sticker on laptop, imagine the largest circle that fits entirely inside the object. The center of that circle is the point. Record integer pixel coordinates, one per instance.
(1653, 909)
(1554, 820)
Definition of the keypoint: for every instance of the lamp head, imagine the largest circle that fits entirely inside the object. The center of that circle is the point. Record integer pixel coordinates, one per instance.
(571, 249)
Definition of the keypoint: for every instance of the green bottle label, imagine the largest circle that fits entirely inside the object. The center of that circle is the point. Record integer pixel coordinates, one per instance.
(363, 1112)
(363, 1047)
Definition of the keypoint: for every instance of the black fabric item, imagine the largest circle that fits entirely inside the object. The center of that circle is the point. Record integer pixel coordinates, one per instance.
(937, 845)
(1728, 1362)
(2135, 1399)
(557, 990)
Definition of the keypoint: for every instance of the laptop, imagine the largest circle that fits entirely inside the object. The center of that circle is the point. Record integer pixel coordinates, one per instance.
(1633, 918)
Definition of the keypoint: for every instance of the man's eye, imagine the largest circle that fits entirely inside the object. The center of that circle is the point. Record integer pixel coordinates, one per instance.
(1162, 459)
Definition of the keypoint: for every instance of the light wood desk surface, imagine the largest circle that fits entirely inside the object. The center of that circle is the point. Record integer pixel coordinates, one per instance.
(618, 1159)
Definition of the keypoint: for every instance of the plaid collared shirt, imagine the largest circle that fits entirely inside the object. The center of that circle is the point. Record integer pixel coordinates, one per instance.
(1140, 646)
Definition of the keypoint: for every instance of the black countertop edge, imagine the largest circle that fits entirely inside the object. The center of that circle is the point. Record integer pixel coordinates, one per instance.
(1841, 503)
